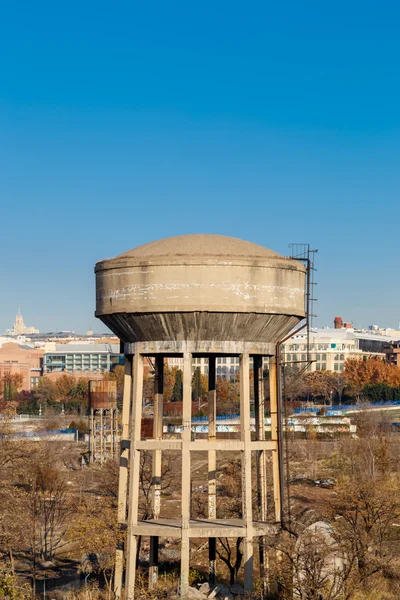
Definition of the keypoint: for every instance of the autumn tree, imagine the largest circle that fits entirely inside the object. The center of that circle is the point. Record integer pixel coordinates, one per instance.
(197, 388)
(148, 384)
(338, 384)
(228, 399)
(293, 382)
(10, 383)
(68, 390)
(11, 588)
(311, 565)
(35, 508)
(365, 509)
(27, 402)
(319, 384)
(63, 386)
(46, 391)
(169, 381)
(96, 533)
(359, 373)
(117, 374)
(95, 527)
(177, 390)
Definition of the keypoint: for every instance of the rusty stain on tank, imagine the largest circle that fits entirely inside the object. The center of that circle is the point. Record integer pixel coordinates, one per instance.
(102, 394)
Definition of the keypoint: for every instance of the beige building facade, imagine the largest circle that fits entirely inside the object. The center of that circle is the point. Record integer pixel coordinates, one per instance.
(26, 361)
(328, 350)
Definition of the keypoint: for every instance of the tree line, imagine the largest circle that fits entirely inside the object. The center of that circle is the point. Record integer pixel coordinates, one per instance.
(361, 380)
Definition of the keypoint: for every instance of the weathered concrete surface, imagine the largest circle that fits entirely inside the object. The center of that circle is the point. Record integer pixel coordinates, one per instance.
(203, 528)
(200, 348)
(202, 287)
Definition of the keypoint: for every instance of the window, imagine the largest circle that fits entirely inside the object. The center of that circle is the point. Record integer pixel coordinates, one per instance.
(318, 366)
(288, 357)
(341, 367)
(323, 366)
(303, 357)
(342, 357)
(294, 357)
(318, 357)
(34, 382)
(336, 357)
(336, 367)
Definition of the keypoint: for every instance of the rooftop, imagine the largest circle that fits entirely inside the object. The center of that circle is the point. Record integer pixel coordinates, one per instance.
(85, 348)
(201, 244)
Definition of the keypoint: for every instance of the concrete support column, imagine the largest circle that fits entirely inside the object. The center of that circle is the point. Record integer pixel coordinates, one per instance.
(114, 427)
(212, 464)
(259, 406)
(186, 476)
(157, 458)
(134, 471)
(275, 436)
(123, 471)
(110, 449)
(101, 437)
(91, 436)
(245, 436)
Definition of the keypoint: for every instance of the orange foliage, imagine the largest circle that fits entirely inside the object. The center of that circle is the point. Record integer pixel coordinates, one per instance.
(359, 372)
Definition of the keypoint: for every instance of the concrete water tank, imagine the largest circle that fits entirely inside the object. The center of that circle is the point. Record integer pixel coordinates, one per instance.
(200, 287)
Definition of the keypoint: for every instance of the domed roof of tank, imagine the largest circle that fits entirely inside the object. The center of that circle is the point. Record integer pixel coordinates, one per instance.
(200, 244)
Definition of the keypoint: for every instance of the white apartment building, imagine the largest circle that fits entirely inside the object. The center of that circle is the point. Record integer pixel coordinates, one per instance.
(330, 348)
(226, 366)
(84, 358)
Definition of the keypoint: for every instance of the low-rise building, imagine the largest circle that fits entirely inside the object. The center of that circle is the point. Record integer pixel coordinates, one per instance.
(330, 348)
(17, 358)
(82, 358)
(392, 353)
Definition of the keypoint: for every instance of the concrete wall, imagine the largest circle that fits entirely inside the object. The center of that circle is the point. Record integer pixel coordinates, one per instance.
(231, 290)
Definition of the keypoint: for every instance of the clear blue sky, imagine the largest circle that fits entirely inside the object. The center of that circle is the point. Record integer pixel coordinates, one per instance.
(124, 122)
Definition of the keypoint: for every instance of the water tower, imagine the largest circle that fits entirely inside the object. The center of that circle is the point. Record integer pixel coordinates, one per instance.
(103, 420)
(198, 296)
